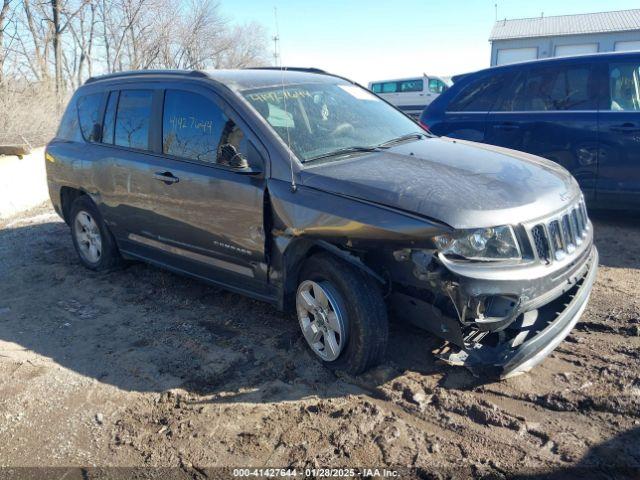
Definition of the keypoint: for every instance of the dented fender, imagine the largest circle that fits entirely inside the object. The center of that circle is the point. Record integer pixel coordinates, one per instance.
(307, 220)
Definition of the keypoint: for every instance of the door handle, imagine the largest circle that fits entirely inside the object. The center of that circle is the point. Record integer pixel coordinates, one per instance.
(625, 128)
(167, 177)
(506, 126)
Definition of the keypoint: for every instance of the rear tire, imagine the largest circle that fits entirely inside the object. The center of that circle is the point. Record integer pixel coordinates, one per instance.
(92, 240)
(348, 330)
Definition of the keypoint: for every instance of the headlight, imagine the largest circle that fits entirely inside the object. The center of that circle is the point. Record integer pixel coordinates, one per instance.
(497, 243)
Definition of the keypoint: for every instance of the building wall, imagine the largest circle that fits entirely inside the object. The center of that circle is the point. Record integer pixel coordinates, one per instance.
(547, 45)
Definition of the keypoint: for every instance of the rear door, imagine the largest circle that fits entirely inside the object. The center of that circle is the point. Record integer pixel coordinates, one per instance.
(551, 111)
(619, 124)
(123, 158)
(465, 115)
(503, 127)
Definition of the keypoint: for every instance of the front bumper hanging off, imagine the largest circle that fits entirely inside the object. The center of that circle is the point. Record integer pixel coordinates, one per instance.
(554, 321)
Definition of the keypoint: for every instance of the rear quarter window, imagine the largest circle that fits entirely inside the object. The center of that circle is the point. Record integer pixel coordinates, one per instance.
(89, 116)
(69, 128)
(479, 95)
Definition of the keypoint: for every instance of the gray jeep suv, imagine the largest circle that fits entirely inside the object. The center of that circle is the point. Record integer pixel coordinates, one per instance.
(305, 190)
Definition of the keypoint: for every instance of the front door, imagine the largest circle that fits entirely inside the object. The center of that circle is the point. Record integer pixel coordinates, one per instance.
(619, 128)
(209, 209)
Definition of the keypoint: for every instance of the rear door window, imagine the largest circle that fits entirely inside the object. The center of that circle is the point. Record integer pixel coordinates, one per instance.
(411, 85)
(389, 87)
(89, 116)
(133, 118)
(480, 95)
(553, 88)
(624, 86)
(194, 127)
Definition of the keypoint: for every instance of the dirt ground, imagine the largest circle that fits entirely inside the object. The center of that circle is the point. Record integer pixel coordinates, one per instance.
(144, 368)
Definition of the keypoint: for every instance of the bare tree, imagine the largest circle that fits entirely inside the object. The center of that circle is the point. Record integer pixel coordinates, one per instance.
(49, 47)
(58, 29)
(40, 32)
(4, 17)
(83, 32)
(127, 28)
(199, 35)
(245, 47)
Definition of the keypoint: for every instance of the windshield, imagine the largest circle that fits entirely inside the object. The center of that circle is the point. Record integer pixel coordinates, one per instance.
(322, 118)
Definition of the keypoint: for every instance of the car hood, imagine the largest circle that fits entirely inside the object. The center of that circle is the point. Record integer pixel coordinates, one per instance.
(460, 183)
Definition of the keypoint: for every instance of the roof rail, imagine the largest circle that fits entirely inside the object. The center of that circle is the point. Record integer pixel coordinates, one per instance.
(291, 69)
(133, 73)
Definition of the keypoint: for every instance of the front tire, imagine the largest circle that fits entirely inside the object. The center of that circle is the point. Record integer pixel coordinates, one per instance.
(92, 239)
(342, 314)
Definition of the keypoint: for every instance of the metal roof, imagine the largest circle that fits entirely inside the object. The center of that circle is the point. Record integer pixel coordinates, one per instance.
(618, 21)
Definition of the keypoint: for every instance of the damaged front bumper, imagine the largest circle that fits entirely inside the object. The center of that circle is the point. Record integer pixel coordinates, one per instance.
(538, 330)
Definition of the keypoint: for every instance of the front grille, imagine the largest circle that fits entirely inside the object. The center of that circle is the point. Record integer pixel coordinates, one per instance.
(540, 241)
(561, 234)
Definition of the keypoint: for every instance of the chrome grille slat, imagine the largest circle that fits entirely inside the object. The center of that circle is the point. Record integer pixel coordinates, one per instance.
(573, 225)
(569, 242)
(559, 235)
(556, 236)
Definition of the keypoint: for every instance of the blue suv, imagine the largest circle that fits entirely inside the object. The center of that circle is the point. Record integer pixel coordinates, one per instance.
(582, 112)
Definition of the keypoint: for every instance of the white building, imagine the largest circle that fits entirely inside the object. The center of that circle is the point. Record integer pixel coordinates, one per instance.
(523, 39)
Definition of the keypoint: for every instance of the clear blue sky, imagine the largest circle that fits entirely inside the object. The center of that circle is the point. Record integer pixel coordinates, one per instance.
(369, 40)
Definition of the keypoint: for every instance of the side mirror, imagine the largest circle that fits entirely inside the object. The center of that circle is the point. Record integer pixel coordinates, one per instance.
(238, 161)
(247, 170)
(231, 157)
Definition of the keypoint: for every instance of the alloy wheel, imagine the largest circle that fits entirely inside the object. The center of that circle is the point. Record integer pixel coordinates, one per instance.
(321, 319)
(88, 237)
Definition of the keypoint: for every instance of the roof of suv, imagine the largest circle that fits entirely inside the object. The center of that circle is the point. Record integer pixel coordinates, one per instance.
(551, 60)
(243, 79)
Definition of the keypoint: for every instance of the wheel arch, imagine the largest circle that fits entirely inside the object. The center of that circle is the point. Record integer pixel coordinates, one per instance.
(299, 250)
(67, 196)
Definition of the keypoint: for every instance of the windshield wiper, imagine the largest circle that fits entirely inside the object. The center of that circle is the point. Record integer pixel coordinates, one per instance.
(403, 138)
(343, 151)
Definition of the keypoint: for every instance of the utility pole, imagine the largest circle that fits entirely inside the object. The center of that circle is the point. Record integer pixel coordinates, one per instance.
(276, 39)
(276, 56)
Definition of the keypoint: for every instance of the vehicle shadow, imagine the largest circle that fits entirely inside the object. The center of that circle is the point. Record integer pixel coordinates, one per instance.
(144, 329)
(618, 457)
(616, 236)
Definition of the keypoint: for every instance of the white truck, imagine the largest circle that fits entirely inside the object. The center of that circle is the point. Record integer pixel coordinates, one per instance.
(411, 95)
